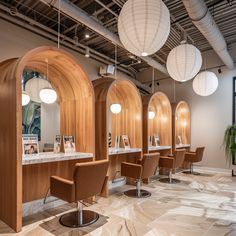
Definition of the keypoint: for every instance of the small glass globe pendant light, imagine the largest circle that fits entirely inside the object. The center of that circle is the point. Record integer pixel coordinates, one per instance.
(48, 95)
(115, 108)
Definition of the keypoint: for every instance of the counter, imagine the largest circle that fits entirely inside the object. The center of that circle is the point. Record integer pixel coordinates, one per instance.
(45, 157)
(115, 151)
(182, 146)
(159, 148)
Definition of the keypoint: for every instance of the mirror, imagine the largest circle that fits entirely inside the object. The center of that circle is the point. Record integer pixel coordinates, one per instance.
(38, 117)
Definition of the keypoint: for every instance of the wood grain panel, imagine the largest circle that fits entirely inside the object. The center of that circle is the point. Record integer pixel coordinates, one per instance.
(181, 123)
(10, 148)
(162, 122)
(76, 98)
(36, 177)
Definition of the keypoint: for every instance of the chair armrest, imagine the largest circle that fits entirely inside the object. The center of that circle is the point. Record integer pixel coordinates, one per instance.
(190, 157)
(62, 188)
(131, 170)
(166, 162)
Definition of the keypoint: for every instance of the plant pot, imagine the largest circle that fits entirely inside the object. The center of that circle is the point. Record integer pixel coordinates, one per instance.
(233, 167)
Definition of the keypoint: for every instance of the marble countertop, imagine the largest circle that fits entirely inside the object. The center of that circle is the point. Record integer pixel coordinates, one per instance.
(158, 148)
(44, 157)
(113, 151)
(182, 145)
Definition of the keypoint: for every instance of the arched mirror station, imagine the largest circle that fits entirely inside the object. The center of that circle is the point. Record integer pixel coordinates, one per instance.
(157, 123)
(118, 124)
(57, 125)
(181, 125)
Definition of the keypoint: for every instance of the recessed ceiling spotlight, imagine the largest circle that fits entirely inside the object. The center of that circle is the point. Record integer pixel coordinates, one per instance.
(87, 35)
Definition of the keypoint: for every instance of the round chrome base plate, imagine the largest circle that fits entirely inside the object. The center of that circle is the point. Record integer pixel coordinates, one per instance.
(75, 220)
(190, 173)
(134, 193)
(167, 180)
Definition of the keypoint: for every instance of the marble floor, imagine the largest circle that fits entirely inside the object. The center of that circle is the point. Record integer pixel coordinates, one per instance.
(200, 205)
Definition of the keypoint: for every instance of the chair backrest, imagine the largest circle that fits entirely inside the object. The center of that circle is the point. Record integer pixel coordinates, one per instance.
(89, 178)
(150, 163)
(179, 157)
(199, 153)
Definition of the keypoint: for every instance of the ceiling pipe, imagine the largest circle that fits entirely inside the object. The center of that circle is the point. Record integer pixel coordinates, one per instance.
(50, 34)
(83, 17)
(203, 20)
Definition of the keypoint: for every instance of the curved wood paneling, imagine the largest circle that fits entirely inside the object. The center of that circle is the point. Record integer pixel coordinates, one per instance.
(128, 121)
(161, 124)
(76, 98)
(181, 123)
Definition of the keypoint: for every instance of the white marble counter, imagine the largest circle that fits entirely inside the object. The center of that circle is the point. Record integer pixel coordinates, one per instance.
(159, 148)
(114, 151)
(44, 157)
(182, 146)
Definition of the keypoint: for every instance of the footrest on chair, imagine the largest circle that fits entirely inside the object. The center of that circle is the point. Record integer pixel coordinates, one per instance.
(74, 219)
(134, 193)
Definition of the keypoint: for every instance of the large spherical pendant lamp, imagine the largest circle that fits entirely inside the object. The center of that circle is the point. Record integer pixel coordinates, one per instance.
(205, 83)
(25, 99)
(184, 62)
(115, 108)
(144, 26)
(48, 95)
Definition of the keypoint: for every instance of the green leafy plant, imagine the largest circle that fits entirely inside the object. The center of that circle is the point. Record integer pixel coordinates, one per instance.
(230, 143)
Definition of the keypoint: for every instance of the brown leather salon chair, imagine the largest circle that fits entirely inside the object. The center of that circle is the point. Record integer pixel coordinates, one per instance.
(144, 169)
(193, 157)
(172, 163)
(88, 181)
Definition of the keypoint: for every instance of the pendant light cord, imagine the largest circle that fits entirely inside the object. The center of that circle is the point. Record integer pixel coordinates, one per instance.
(59, 20)
(153, 75)
(174, 92)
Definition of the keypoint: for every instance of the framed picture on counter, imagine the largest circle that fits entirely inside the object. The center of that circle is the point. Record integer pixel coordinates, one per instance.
(69, 143)
(57, 144)
(157, 140)
(150, 140)
(179, 140)
(30, 144)
(126, 143)
(117, 142)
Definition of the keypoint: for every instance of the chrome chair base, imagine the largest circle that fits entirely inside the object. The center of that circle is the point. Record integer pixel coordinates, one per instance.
(77, 218)
(134, 193)
(169, 181)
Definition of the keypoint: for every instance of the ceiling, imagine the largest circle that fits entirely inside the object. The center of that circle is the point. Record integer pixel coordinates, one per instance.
(43, 20)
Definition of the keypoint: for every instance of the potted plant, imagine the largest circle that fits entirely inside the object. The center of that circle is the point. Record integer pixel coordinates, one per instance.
(230, 146)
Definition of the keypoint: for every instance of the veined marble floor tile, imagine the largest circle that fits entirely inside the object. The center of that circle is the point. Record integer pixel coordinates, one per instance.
(202, 205)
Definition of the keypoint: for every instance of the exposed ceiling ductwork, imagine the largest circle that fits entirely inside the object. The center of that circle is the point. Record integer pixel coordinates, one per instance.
(203, 20)
(81, 16)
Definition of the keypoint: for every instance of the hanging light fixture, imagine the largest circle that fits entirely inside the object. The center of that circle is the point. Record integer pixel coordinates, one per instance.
(115, 107)
(184, 62)
(144, 26)
(48, 94)
(205, 83)
(25, 98)
(87, 54)
(151, 115)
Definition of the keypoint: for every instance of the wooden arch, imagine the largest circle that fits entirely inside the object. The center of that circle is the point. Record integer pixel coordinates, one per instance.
(76, 98)
(181, 123)
(128, 121)
(161, 124)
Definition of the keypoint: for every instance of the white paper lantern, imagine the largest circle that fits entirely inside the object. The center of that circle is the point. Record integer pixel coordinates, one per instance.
(184, 62)
(48, 95)
(151, 115)
(115, 108)
(34, 86)
(25, 99)
(144, 26)
(205, 83)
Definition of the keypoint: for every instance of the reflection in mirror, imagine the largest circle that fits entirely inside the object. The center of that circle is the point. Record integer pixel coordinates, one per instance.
(38, 117)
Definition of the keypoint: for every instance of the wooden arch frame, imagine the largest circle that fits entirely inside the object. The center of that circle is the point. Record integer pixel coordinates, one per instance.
(76, 98)
(161, 124)
(181, 123)
(128, 121)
